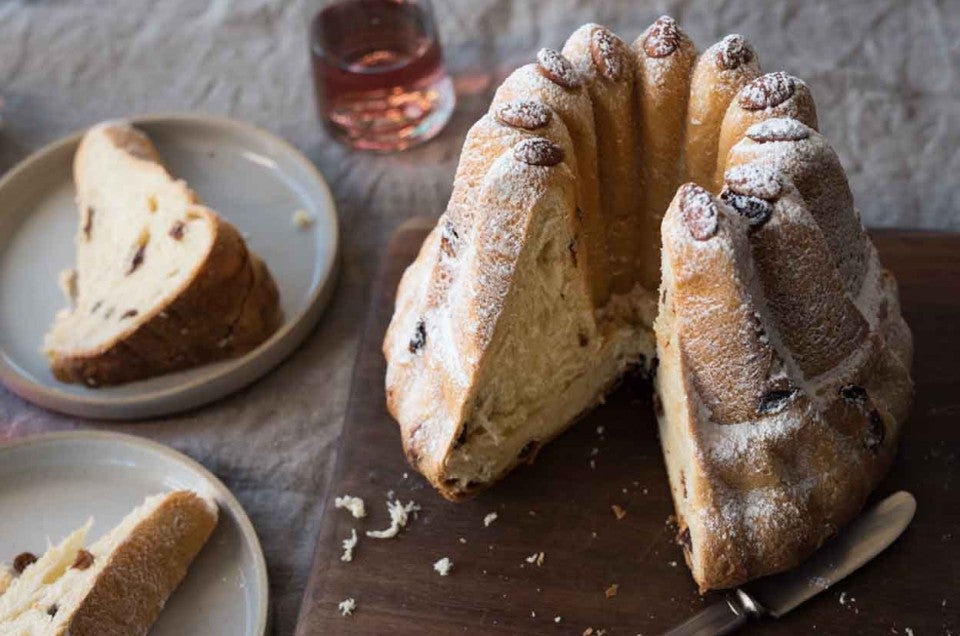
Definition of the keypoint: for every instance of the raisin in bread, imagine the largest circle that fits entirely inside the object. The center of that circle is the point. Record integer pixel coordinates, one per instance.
(118, 585)
(161, 282)
(784, 362)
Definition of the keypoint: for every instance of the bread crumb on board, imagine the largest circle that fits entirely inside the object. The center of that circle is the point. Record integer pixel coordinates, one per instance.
(399, 515)
(347, 607)
(618, 511)
(536, 557)
(353, 504)
(489, 518)
(612, 590)
(348, 545)
(443, 566)
(301, 219)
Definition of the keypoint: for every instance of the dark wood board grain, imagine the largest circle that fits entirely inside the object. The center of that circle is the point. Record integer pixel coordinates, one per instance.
(562, 507)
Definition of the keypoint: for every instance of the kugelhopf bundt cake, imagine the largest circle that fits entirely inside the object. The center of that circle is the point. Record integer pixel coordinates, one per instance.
(783, 376)
(161, 281)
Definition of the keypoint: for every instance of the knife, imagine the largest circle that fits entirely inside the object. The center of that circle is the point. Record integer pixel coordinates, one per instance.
(866, 537)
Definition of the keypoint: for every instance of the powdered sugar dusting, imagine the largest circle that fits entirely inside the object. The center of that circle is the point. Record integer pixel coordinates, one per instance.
(523, 113)
(767, 91)
(778, 129)
(698, 209)
(733, 51)
(558, 69)
(662, 37)
(759, 180)
(538, 151)
(608, 53)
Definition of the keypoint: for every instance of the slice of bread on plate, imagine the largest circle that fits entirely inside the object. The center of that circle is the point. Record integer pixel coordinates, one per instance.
(119, 584)
(161, 282)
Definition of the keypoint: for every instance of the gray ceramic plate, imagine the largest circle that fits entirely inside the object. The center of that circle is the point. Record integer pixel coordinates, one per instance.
(253, 178)
(51, 484)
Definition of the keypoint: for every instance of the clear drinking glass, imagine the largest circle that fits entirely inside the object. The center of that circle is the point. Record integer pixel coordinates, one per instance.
(378, 73)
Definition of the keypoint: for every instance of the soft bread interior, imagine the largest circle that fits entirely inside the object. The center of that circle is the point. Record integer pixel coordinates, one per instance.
(25, 591)
(548, 334)
(676, 423)
(143, 235)
(46, 599)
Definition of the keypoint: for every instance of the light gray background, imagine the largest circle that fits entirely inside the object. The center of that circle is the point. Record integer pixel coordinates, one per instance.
(884, 74)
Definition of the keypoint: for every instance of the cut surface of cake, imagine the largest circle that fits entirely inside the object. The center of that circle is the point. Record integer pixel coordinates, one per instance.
(755, 299)
(161, 282)
(119, 584)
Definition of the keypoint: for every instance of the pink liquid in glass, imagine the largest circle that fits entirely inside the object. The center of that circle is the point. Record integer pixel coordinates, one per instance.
(379, 74)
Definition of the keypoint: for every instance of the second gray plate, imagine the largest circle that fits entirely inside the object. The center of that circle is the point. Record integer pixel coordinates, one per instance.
(253, 178)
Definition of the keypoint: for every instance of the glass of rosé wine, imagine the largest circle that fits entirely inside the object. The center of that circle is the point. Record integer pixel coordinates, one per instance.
(378, 73)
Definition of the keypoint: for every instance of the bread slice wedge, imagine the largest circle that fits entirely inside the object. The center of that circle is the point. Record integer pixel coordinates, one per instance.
(161, 282)
(118, 585)
(453, 368)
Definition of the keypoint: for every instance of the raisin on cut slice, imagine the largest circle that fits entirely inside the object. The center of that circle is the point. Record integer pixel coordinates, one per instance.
(853, 394)
(774, 402)
(875, 433)
(419, 340)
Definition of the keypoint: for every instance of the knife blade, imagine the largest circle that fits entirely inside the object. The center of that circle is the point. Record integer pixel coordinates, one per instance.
(864, 538)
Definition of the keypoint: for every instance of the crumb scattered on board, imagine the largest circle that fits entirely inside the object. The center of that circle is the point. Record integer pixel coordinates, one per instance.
(489, 518)
(348, 545)
(347, 607)
(399, 515)
(443, 566)
(536, 557)
(612, 590)
(557, 619)
(618, 511)
(353, 504)
(302, 219)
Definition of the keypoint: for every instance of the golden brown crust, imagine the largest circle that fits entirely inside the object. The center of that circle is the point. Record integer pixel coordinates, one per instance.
(718, 76)
(128, 595)
(717, 323)
(607, 67)
(664, 60)
(803, 155)
(815, 318)
(553, 81)
(762, 492)
(768, 96)
(430, 348)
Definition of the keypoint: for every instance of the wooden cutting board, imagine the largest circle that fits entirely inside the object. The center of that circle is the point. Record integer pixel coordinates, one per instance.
(561, 506)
